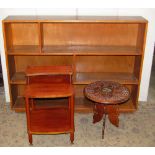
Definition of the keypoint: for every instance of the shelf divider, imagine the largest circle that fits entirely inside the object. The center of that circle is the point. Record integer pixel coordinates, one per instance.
(40, 36)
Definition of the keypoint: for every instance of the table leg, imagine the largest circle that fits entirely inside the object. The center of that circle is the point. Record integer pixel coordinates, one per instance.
(99, 111)
(113, 114)
(103, 128)
(32, 104)
(27, 104)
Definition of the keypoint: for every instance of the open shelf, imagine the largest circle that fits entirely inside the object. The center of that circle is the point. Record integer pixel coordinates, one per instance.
(86, 78)
(123, 78)
(24, 50)
(22, 38)
(18, 78)
(73, 50)
(82, 105)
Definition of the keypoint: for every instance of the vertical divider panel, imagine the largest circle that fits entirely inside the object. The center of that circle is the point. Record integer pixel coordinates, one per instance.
(74, 67)
(40, 36)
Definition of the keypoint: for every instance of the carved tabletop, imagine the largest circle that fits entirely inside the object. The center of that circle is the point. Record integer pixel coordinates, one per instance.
(107, 92)
(106, 95)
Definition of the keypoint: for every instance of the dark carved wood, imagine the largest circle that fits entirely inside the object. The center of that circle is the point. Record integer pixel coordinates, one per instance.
(106, 92)
(106, 95)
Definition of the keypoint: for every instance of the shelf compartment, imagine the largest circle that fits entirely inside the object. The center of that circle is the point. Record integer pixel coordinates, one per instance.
(123, 78)
(18, 78)
(105, 64)
(22, 37)
(90, 34)
(22, 62)
(24, 50)
(90, 50)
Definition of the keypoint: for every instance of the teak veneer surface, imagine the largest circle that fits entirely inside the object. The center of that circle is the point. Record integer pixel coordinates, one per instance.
(49, 90)
(74, 50)
(76, 19)
(50, 121)
(97, 47)
(40, 86)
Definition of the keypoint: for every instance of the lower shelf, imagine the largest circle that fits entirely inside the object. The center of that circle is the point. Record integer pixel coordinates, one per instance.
(86, 78)
(50, 121)
(82, 105)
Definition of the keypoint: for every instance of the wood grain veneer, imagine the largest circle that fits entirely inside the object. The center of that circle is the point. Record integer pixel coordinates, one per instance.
(97, 47)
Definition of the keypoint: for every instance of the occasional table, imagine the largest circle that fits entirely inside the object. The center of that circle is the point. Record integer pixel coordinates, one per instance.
(106, 95)
(49, 82)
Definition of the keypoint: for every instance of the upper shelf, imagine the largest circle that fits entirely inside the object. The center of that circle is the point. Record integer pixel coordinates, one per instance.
(74, 50)
(106, 19)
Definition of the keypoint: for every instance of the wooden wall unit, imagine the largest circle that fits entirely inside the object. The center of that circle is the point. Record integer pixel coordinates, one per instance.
(98, 48)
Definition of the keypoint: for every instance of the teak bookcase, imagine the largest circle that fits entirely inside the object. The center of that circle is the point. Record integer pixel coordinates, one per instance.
(98, 48)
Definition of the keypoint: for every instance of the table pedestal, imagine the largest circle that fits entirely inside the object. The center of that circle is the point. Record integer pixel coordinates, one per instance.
(106, 95)
(100, 112)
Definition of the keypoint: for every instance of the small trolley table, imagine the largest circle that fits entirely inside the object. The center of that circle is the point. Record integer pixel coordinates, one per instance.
(107, 95)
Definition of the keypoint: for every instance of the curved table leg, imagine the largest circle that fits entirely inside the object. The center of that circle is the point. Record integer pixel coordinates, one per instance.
(100, 111)
(113, 114)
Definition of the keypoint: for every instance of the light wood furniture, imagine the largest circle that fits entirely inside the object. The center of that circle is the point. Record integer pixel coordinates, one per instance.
(107, 96)
(49, 82)
(98, 48)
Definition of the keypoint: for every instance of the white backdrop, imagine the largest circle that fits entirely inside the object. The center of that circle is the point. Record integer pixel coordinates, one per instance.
(149, 14)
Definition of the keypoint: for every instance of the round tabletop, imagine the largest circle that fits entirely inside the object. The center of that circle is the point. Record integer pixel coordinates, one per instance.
(107, 92)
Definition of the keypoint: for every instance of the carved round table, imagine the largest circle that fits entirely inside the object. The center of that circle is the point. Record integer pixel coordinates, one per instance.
(107, 95)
